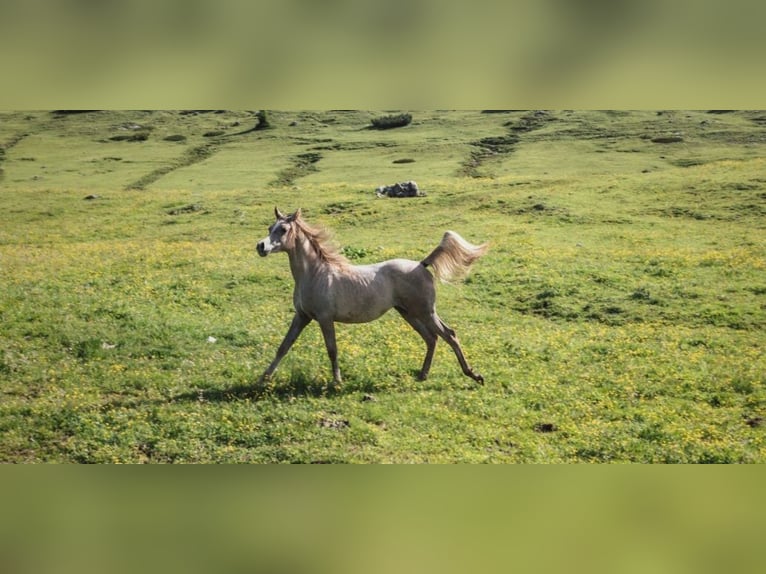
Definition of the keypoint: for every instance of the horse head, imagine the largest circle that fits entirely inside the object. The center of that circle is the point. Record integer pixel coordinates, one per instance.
(281, 235)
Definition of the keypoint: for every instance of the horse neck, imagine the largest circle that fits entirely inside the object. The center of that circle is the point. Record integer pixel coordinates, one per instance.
(303, 259)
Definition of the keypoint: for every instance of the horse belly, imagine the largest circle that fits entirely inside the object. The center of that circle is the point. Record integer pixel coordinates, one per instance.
(365, 297)
(362, 309)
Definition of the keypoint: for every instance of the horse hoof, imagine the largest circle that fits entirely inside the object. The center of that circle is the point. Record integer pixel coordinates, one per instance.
(479, 379)
(262, 382)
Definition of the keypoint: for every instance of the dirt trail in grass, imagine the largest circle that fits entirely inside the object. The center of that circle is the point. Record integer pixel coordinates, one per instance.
(301, 165)
(15, 139)
(191, 156)
(497, 147)
(11, 142)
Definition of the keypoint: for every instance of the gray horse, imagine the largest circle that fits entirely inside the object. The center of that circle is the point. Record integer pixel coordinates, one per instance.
(328, 288)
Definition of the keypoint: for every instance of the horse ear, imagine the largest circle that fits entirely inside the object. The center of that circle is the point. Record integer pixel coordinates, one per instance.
(278, 214)
(294, 216)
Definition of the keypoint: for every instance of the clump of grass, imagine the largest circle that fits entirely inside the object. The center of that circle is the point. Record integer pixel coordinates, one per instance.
(262, 120)
(391, 121)
(355, 253)
(139, 136)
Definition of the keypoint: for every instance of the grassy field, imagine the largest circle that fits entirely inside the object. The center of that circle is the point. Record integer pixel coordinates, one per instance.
(619, 315)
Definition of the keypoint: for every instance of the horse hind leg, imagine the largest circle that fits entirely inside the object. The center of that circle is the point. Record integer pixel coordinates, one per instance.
(448, 334)
(429, 338)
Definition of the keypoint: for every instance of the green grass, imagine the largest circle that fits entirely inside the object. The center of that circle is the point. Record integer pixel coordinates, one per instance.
(619, 315)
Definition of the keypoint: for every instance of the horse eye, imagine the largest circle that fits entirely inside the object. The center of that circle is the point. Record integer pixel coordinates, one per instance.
(282, 230)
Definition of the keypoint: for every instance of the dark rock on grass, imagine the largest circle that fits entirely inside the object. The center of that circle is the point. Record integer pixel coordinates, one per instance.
(333, 423)
(403, 189)
(667, 139)
(392, 121)
(196, 112)
(545, 427)
(61, 113)
(136, 137)
(175, 138)
(212, 134)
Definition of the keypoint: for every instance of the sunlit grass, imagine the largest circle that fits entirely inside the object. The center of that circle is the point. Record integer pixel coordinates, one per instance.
(619, 315)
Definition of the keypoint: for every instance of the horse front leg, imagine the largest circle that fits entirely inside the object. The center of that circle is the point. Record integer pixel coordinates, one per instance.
(328, 332)
(296, 327)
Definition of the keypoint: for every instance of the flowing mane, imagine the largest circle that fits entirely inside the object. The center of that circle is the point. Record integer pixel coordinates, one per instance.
(321, 242)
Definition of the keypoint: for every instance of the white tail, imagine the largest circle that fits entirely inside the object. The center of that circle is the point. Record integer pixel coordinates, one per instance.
(453, 257)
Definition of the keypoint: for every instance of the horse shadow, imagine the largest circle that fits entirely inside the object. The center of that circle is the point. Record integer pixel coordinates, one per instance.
(297, 386)
(302, 385)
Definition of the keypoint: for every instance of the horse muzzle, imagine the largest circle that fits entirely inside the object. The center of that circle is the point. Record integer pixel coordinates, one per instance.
(261, 248)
